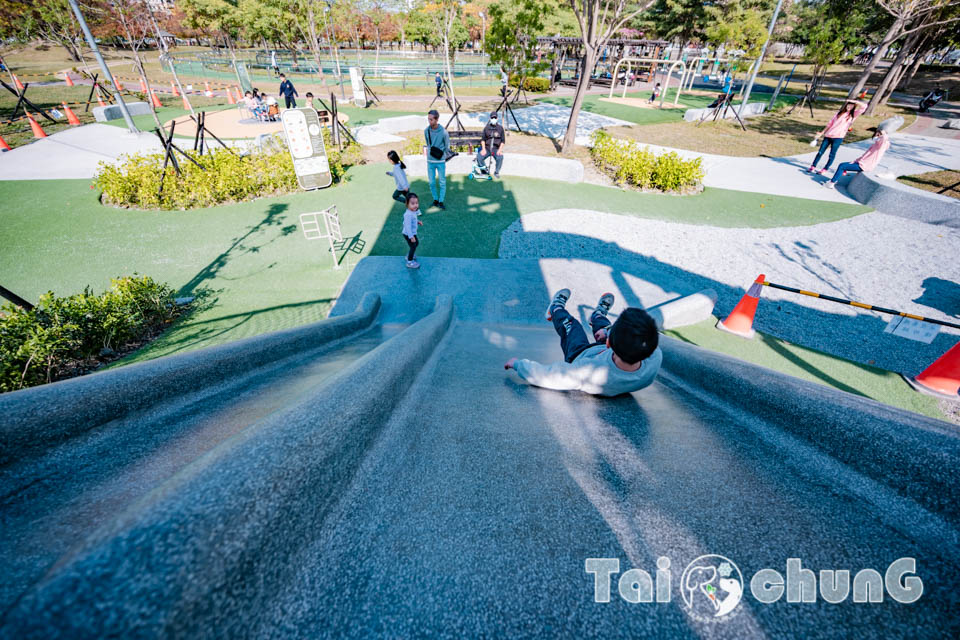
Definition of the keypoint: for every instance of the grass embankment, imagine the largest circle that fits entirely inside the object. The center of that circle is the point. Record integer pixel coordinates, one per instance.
(945, 183)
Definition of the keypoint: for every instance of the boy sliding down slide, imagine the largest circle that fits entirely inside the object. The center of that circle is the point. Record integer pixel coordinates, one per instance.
(624, 358)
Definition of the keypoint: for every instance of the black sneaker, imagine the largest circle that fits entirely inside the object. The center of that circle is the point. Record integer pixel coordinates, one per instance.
(440, 204)
(559, 300)
(435, 204)
(603, 306)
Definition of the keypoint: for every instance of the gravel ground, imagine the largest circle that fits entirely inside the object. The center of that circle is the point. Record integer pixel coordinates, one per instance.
(873, 258)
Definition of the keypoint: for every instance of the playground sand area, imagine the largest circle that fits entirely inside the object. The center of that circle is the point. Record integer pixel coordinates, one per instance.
(643, 103)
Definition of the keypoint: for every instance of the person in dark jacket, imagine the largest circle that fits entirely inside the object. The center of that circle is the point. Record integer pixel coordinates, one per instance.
(492, 146)
(288, 92)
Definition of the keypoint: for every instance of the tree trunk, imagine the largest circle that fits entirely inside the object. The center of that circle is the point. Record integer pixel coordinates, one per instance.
(915, 66)
(881, 95)
(586, 70)
(314, 44)
(893, 33)
(70, 49)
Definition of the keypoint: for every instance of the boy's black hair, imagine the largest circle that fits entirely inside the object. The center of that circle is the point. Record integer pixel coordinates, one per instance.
(633, 337)
(309, 95)
(394, 157)
(434, 113)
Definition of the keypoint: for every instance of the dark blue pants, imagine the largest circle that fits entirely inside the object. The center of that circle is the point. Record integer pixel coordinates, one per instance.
(834, 144)
(849, 167)
(400, 196)
(291, 102)
(573, 339)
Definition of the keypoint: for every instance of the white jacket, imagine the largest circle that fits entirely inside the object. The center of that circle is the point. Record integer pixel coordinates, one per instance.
(592, 372)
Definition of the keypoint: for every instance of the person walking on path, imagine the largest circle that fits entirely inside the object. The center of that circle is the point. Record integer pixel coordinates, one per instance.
(867, 162)
(438, 144)
(410, 223)
(625, 356)
(492, 145)
(288, 91)
(273, 63)
(655, 94)
(439, 80)
(834, 133)
(399, 177)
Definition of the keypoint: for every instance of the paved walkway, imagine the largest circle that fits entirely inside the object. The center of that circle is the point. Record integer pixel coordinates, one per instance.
(73, 153)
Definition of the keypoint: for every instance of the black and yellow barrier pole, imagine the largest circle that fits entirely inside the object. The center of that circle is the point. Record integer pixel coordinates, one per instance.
(860, 305)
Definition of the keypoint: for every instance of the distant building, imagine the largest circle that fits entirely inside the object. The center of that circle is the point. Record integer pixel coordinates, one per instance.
(160, 6)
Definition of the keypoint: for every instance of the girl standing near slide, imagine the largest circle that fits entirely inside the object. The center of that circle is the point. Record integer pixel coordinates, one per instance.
(835, 131)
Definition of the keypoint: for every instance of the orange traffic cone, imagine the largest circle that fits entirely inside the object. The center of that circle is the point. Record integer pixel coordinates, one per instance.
(207, 86)
(186, 103)
(36, 128)
(69, 80)
(143, 86)
(155, 100)
(100, 101)
(3, 145)
(176, 94)
(72, 118)
(740, 320)
(230, 99)
(942, 378)
(16, 82)
(239, 94)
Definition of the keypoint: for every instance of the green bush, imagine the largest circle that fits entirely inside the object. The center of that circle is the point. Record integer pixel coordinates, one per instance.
(531, 84)
(627, 163)
(61, 337)
(225, 177)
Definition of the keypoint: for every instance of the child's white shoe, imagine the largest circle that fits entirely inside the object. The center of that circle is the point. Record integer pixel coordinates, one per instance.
(413, 264)
(829, 184)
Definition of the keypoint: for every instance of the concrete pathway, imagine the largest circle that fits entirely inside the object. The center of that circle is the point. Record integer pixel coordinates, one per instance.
(74, 153)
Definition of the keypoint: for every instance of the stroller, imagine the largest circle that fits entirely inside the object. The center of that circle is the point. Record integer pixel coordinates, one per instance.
(481, 171)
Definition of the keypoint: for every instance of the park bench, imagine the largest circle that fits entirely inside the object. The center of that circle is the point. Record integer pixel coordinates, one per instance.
(464, 138)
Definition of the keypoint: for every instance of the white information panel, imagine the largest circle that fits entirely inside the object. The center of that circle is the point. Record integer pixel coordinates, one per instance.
(359, 93)
(305, 141)
(912, 329)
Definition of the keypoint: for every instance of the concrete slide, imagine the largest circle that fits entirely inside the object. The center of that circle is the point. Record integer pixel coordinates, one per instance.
(421, 490)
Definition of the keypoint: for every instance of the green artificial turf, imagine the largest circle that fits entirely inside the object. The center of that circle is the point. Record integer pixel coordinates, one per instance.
(636, 115)
(812, 365)
(251, 269)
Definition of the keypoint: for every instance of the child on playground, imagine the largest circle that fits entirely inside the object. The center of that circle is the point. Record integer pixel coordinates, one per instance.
(867, 162)
(410, 224)
(655, 94)
(834, 133)
(622, 357)
(254, 105)
(273, 108)
(399, 176)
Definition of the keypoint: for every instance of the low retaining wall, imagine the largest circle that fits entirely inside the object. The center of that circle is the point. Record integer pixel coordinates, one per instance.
(753, 109)
(196, 557)
(113, 112)
(514, 164)
(897, 199)
(684, 311)
(41, 417)
(907, 452)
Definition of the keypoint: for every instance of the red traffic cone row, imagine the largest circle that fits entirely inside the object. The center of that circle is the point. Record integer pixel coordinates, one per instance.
(176, 94)
(230, 99)
(16, 82)
(143, 86)
(72, 118)
(36, 128)
(740, 320)
(155, 100)
(69, 80)
(942, 378)
(3, 145)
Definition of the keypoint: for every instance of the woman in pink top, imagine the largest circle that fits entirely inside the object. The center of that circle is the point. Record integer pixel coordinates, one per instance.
(834, 132)
(867, 162)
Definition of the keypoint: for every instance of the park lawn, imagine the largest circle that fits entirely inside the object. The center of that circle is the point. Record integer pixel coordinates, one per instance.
(254, 271)
(848, 74)
(935, 181)
(772, 135)
(815, 366)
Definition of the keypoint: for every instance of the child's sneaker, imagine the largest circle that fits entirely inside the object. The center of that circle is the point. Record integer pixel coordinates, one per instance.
(812, 169)
(413, 264)
(559, 300)
(830, 184)
(823, 171)
(606, 301)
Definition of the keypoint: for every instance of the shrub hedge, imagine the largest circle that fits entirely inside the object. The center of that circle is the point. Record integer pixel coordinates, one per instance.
(226, 177)
(62, 337)
(628, 163)
(531, 84)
